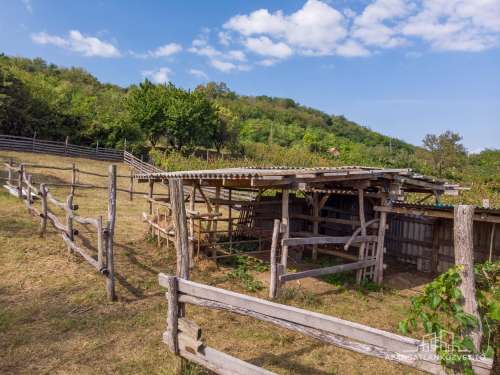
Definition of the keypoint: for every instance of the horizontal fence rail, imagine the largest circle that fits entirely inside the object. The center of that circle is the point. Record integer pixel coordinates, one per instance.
(184, 337)
(26, 144)
(20, 184)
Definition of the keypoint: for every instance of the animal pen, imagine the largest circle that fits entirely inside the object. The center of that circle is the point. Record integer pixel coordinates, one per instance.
(185, 338)
(356, 215)
(90, 237)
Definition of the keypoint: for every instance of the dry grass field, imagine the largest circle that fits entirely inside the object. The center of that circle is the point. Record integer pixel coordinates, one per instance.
(55, 319)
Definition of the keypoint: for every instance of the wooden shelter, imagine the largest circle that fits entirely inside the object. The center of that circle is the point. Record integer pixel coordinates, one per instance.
(339, 211)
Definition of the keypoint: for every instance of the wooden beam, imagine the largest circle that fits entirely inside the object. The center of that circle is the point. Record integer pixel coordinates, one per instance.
(463, 239)
(379, 268)
(181, 233)
(315, 223)
(171, 335)
(110, 277)
(285, 222)
(361, 253)
(328, 270)
(485, 217)
(311, 319)
(273, 286)
(323, 240)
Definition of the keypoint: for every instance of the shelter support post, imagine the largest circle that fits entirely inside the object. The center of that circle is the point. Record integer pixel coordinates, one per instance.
(464, 257)
(285, 225)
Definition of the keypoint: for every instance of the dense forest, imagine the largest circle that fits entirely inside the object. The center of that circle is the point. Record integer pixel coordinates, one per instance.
(174, 125)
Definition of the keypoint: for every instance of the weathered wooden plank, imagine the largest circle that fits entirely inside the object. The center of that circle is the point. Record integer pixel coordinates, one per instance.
(81, 251)
(464, 258)
(435, 213)
(110, 277)
(362, 221)
(222, 363)
(273, 288)
(379, 268)
(328, 270)
(180, 225)
(323, 240)
(172, 315)
(330, 324)
(412, 359)
(285, 223)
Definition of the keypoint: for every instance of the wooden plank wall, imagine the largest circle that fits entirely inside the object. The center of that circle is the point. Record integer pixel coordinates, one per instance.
(410, 239)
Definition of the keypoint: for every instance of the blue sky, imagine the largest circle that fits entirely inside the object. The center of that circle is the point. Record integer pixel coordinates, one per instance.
(402, 67)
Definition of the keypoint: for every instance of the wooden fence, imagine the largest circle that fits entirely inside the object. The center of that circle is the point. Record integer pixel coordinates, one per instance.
(20, 184)
(26, 144)
(184, 337)
(370, 263)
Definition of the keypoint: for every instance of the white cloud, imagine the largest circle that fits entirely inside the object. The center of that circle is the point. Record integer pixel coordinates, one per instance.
(44, 38)
(198, 73)
(266, 47)
(318, 28)
(167, 50)
(456, 25)
(77, 42)
(223, 66)
(314, 29)
(224, 61)
(236, 55)
(267, 62)
(224, 38)
(351, 48)
(162, 75)
(371, 27)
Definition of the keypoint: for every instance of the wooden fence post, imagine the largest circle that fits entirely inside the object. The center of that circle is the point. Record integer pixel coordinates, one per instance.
(179, 221)
(285, 222)
(131, 186)
(9, 181)
(273, 289)
(230, 218)
(379, 266)
(43, 197)
(28, 192)
(73, 178)
(110, 279)
(464, 258)
(66, 145)
(315, 222)
(172, 315)
(20, 181)
(100, 244)
(361, 203)
(192, 207)
(69, 219)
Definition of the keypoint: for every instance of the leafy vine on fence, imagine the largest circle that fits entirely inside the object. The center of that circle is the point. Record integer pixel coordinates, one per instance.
(439, 311)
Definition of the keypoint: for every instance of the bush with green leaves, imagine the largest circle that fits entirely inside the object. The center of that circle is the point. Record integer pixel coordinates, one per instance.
(439, 311)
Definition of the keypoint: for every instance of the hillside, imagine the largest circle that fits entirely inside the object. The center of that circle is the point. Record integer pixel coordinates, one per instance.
(57, 102)
(175, 127)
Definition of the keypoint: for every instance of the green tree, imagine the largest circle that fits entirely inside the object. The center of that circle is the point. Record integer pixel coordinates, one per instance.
(445, 150)
(144, 105)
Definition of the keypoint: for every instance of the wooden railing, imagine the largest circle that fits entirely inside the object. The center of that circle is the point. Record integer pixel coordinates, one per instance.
(139, 166)
(184, 337)
(20, 184)
(26, 144)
